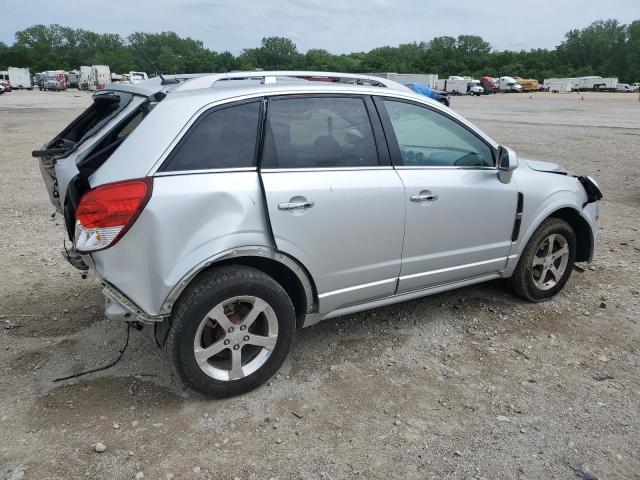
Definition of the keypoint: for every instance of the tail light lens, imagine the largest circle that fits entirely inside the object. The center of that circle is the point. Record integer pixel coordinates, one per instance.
(105, 213)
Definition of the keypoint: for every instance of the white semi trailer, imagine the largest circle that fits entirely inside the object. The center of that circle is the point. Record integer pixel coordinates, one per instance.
(20, 78)
(559, 86)
(597, 83)
(429, 79)
(570, 82)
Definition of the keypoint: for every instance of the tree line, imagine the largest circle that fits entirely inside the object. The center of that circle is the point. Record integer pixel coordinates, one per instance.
(606, 47)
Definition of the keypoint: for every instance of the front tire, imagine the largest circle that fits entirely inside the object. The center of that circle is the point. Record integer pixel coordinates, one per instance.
(230, 331)
(546, 262)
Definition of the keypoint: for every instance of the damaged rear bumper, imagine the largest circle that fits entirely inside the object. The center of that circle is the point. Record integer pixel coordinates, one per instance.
(119, 307)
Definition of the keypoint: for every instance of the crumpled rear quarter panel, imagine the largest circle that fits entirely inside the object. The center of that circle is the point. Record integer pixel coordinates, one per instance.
(188, 219)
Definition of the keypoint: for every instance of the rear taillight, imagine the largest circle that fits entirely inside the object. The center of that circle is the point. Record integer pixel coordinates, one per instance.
(105, 213)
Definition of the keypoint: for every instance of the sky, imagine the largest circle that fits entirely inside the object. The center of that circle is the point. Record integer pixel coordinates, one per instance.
(338, 26)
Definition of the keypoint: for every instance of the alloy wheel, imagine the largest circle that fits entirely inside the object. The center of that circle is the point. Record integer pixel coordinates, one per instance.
(236, 338)
(550, 261)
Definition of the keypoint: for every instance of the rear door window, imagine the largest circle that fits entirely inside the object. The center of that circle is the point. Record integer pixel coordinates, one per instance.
(319, 132)
(222, 138)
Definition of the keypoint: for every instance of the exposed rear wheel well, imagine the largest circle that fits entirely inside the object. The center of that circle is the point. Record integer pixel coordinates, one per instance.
(584, 239)
(276, 270)
(281, 274)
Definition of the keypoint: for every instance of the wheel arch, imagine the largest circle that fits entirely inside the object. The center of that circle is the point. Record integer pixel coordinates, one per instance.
(584, 235)
(570, 214)
(287, 271)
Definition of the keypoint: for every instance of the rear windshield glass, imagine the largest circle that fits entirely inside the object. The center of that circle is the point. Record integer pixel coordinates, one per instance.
(90, 162)
(104, 107)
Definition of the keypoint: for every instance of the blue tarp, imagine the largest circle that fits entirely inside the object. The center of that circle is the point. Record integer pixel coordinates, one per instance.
(424, 90)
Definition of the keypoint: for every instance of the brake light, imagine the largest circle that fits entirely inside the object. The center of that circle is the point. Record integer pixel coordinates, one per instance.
(105, 213)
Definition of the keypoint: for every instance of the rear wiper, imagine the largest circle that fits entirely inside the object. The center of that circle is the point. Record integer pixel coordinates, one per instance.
(67, 146)
(50, 151)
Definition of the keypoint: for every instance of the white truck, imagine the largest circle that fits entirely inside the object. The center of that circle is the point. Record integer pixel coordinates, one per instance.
(100, 77)
(460, 86)
(509, 84)
(137, 77)
(597, 83)
(20, 78)
(85, 77)
(475, 88)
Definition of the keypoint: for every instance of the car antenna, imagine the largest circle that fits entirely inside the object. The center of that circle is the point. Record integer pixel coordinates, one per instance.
(164, 81)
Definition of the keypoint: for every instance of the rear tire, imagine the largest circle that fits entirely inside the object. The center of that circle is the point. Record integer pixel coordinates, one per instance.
(546, 262)
(231, 330)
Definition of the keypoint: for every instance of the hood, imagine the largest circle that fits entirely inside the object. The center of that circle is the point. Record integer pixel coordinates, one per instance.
(545, 166)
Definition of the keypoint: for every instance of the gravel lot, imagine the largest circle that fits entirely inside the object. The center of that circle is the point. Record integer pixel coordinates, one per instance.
(473, 383)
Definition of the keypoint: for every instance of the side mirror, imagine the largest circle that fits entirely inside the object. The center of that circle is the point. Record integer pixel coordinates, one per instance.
(507, 163)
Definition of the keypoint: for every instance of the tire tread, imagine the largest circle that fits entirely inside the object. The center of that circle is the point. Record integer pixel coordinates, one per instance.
(209, 283)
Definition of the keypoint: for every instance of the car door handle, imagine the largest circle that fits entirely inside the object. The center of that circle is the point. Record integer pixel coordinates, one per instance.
(424, 197)
(295, 205)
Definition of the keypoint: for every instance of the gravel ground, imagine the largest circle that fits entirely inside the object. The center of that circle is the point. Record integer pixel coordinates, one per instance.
(472, 383)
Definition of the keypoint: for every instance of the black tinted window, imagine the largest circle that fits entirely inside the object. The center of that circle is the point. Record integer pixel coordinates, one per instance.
(225, 138)
(428, 138)
(319, 132)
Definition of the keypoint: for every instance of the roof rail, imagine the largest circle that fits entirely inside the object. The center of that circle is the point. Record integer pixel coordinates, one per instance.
(208, 80)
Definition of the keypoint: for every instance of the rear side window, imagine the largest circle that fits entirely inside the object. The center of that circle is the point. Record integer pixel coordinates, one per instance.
(223, 138)
(317, 132)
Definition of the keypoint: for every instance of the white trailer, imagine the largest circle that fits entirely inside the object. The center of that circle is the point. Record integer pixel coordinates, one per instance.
(597, 83)
(85, 77)
(454, 86)
(20, 78)
(572, 82)
(100, 77)
(509, 84)
(559, 86)
(429, 79)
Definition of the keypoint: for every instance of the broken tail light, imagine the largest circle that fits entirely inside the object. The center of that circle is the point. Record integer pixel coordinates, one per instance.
(105, 213)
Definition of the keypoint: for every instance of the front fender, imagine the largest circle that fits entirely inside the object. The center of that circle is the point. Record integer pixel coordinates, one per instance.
(533, 218)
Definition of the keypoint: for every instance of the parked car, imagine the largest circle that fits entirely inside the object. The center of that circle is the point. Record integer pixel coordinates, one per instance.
(52, 84)
(623, 87)
(635, 87)
(228, 210)
(6, 86)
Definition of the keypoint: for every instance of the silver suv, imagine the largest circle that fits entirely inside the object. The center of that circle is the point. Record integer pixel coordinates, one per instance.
(228, 210)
